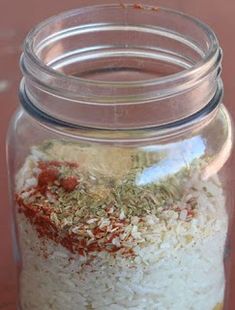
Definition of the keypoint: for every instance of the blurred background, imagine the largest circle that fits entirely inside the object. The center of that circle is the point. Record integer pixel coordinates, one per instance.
(17, 17)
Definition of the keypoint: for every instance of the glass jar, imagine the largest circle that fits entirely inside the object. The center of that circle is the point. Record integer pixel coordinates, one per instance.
(120, 163)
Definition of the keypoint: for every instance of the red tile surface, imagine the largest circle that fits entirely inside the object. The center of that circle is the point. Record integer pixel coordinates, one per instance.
(16, 18)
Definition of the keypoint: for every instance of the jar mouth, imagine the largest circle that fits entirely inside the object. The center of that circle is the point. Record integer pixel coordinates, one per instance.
(121, 59)
(31, 48)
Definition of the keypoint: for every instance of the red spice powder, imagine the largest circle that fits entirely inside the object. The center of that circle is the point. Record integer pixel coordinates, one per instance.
(69, 184)
(39, 212)
(138, 6)
(48, 176)
(41, 220)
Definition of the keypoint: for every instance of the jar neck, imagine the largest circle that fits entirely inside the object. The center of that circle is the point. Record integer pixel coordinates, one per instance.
(119, 67)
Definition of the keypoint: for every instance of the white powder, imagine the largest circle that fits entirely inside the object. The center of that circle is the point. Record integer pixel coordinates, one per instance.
(179, 266)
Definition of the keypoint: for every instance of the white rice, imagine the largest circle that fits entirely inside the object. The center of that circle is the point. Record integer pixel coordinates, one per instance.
(179, 268)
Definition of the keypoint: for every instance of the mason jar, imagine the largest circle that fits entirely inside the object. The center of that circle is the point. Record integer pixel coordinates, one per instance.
(120, 163)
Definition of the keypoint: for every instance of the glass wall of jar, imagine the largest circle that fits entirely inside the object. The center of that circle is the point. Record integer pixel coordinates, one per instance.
(120, 163)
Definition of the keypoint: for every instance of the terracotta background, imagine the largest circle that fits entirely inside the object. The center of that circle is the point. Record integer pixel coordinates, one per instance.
(16, 18)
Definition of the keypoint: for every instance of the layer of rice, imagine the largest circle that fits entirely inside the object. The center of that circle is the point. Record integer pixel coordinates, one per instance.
(181, 268)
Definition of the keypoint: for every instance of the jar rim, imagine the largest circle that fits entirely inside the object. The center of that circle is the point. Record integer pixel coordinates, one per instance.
(213, 44)
(84, 37)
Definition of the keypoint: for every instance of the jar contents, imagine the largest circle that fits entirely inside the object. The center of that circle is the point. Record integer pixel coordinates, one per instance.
(92, 236)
